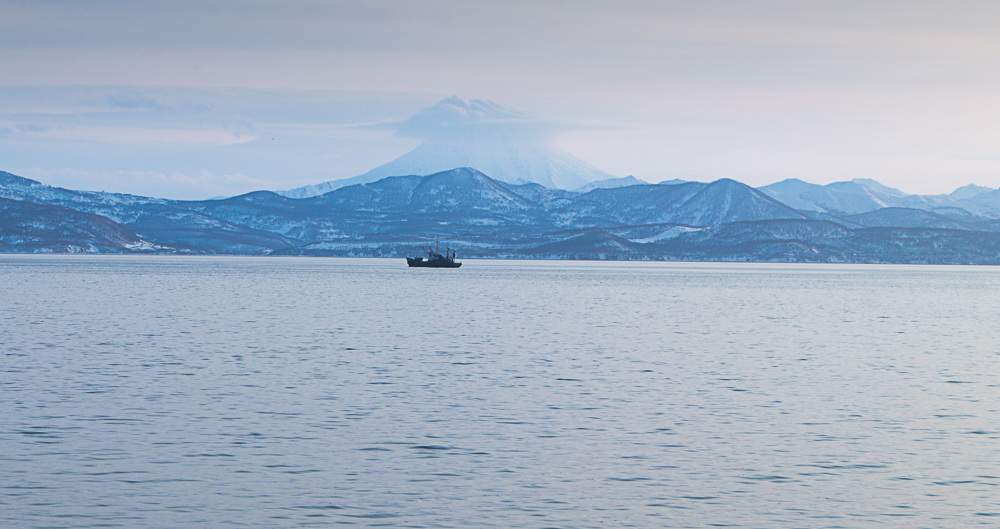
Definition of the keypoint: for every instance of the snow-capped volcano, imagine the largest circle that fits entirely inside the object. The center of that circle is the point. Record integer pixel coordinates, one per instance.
(504, 143)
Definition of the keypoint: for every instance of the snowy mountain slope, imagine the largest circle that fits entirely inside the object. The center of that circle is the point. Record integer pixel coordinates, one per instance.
(546, 197)
(610, 183)
(15, 187)
(689, 203)
(196, 232)
(37, 228)
(722, 220)
(160, 221)
(466, 188)
(960, 214)
(457, 199)
(822, 241)
(846, 198)
(969, 191)
(727, 200)
(466, 200)
(504, 160)
(863, 195)
(19, 188)
(325, 187)
(510, 160)
(983, 203)
(630, 205)
(389, 194)
(907, 218)
(507, 144)
(591, 244)
(787, 240)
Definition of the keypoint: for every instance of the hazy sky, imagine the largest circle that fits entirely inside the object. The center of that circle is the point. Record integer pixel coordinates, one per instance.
(202, 98)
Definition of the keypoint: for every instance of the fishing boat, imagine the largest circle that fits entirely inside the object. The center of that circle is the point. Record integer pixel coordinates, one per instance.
(435, 259)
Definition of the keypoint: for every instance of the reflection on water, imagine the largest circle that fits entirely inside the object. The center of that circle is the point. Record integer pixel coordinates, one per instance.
(272, 392)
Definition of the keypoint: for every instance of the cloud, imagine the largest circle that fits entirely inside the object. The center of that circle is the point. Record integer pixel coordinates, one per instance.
(32, 127)
(288, 138)
(130, 102)
(454, 117)
(126, 135)
(184, 186)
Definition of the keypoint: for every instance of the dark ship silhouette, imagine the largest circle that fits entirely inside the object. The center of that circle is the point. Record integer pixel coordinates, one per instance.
(434, 259)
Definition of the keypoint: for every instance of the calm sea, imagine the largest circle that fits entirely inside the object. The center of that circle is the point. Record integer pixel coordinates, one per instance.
(297, 392)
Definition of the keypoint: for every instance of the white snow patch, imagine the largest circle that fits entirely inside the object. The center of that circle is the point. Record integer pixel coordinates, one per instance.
(669, 233)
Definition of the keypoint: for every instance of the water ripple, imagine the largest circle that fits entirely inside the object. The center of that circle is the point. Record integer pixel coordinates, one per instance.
(271, 392)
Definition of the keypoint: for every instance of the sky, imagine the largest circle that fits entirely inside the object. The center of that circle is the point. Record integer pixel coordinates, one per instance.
(192, 99)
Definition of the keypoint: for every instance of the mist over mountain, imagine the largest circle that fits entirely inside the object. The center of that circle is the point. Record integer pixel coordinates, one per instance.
(509, 145)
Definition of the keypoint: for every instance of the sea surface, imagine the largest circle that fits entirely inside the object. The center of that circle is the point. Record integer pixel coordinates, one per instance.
(298, 392)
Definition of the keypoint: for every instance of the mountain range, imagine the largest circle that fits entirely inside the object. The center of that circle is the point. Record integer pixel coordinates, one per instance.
(792, 221)
(863, 195)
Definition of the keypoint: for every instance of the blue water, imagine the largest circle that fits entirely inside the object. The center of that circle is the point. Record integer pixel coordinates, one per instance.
(298, 392)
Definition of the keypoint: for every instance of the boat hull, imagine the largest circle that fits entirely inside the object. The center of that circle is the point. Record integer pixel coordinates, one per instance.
(436, 263)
